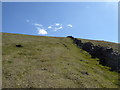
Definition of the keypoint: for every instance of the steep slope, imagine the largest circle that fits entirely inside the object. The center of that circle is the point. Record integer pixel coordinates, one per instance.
(51, 62)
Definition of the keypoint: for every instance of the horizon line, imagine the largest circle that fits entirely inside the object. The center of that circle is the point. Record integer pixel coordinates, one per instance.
(61, 37)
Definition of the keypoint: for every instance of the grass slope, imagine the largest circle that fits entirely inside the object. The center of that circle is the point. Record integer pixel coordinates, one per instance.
(49, 62)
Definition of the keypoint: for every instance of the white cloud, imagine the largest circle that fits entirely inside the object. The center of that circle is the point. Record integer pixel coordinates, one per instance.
(69, 25)
(58, 28)
(50, 27)
(36, 24)
(57, 24)
(42, 31)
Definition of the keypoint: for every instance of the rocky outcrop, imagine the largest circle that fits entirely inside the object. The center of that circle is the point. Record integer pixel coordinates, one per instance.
(107, 56)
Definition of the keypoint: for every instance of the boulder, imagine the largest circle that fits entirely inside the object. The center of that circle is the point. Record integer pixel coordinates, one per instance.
(19, 45)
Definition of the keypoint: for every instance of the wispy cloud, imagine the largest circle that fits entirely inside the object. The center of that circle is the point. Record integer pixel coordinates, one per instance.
(45, 30)
(49, 27)
(37, 24)
(70, 25)
(58, 28)
(57, 24)
(55, 27)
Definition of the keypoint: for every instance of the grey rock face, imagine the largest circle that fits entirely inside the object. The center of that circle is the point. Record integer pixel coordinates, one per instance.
(108, 57)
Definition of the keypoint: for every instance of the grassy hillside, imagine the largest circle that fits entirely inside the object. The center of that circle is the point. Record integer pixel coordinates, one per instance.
(51, 62)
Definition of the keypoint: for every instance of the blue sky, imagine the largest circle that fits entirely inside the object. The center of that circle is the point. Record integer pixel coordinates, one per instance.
(88, 20)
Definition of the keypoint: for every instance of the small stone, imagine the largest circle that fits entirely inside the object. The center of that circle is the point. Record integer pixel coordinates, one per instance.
(85, 73)
(43, 68)
(81, 60)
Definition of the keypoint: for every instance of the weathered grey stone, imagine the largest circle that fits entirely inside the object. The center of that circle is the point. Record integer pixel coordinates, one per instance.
(107, 56)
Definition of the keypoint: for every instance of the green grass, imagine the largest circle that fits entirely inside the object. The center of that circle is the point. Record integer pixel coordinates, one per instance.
(51, 62)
